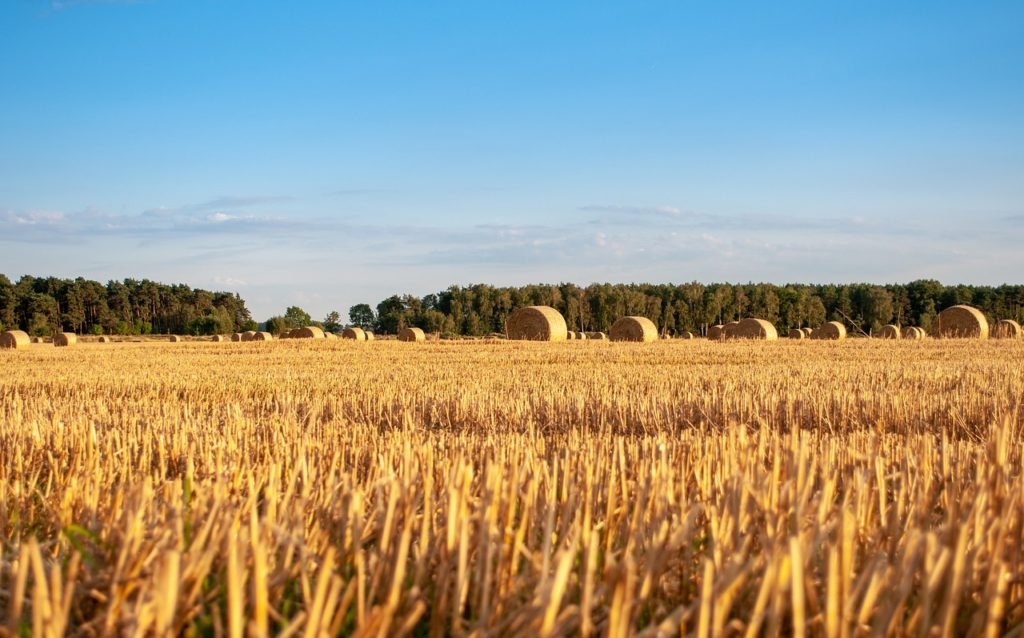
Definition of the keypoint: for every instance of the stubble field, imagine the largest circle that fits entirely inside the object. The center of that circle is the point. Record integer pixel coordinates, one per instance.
(308, 488)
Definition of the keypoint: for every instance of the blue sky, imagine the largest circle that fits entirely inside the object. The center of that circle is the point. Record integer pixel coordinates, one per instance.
(330, 153)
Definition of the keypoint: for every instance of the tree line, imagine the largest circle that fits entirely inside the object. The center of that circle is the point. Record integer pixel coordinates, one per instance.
(481, 309)
(45, 305)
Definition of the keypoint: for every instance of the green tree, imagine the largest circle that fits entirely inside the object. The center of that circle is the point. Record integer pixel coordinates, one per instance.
(299, 317)
(361, 316)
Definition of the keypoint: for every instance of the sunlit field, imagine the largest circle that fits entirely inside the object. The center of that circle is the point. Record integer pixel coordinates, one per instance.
(855, 488)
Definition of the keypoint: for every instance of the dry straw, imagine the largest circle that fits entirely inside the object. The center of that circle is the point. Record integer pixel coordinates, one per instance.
(369, 335)
(831, 331)
(536, 323)
(729, 328)
(65, 339)
(355, 334)
(411, 334)
(331, 336)
(639, 329)
(309, 332)
(889, 332)
(570, 335)
(218, 338)
(912, 332)
(14, 339)
(716, 333)
(248, 335)
(754, 329)
(237, 336)
(599, 336)
(797, 333)
(961, 322)
(263, 336)
(174, 339)
(1007, 329)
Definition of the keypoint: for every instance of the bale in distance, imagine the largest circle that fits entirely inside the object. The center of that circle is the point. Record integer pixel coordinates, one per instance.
(797, 333)
(308, 332)
(912, 333)
(217, 338)
(570, 335)
(174, 338)
(237, 336)
(37, 339)
(729, 328)
(809, 332)
(262, 336)
(831, 331)
(65, 339)
(889, 332)
(687, 335)
(598, 336)
(536, 323)
(105, 340)
(1007, 329)
(921, 334)
(14, 339)
(716, 333)
(754, 329)
(961, 322)
(581, 336)
(248, 335)
(369, 335)
(639, 329)
(411, 334)
(331, 336)
(356, 334)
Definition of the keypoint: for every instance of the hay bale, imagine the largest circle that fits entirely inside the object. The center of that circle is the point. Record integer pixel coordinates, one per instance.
(831, 331)
(581, 336)
(797, 333)
(961, 322)
(174, 339)
(889, 332)
(754, 329)
(570, 335)
(262, 336)
(15, 339)
(37, 339)
(217, 338)
(65, 339)
(809, 332)
(369, 335)
(729, 328)
(411, 334)
(309, 332)
(1007, 329)
(105, 340)
(598, 336)
(912, 332)
(237, 336)
(640, 329)
(356, 334)
(536, 323)
(716, 333)
(331, 336)
(687, 335)
(248, 335)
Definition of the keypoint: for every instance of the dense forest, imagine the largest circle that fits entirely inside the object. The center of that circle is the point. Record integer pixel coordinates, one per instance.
(44, 305)
(482, 309)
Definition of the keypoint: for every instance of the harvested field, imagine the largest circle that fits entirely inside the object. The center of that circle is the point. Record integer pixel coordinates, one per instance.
(858, 487)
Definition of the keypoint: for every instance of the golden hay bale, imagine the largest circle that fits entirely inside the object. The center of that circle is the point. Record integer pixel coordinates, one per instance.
(797, 333)
(331, 336)
(411, 334)
(174, 339)
(687, 335)
(961, 322)
(309, 332)
(581, 335)
(65, 339)
(14, 339)
(833, 331)
(639, 329)
(262, 336)
(369, 335)
(889, 332)
(37, 339)
(716, 333)
(809, 332)
(248, 335)
(570, 335)
(912, 332)
(218, 338)
(754, 329)
(599, 336)
(1007, 329)
(729, 328)
(105, 340)
(536, 323)
(355, 334)
(237, 336)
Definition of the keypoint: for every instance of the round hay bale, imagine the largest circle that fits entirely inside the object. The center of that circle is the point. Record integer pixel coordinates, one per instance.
(889, 332)
(729, 328)
(687, 335)
(309, 332)
(356, 334)
(369, 335)
(65, 339)
(831, 331)
(809, 332)
(248, 335)
(536, 323)
(105, 340)
(262, 336)
(716, 333)
(331, 336)
(961, 322)
(797, 333)
(754, 329)
(15, 339)
(174, 339)
(237, 336)
(581, 335)
(912, 332)
(411, 334)
(640, 329)
(921, 333)
(1007, 329)
(218, 338)
(37, 339)
(598, 336)
(570, 335)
